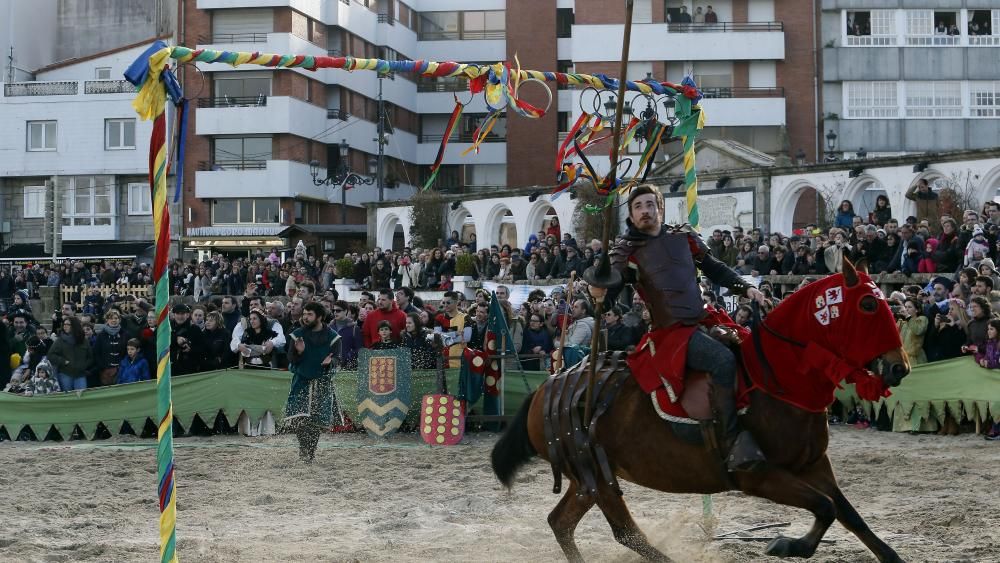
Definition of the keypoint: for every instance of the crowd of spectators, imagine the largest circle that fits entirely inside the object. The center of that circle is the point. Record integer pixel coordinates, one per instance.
(244, 308)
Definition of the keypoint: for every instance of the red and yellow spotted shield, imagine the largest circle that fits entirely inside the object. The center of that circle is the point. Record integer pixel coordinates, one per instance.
(442, 420)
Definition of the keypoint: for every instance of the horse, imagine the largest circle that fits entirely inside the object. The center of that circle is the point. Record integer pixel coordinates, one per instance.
(838, 324)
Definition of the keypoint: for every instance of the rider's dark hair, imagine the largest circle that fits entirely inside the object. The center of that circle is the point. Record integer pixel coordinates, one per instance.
(643, 190)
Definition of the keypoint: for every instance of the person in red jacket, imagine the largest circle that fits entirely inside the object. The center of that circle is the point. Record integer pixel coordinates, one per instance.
(386, 311)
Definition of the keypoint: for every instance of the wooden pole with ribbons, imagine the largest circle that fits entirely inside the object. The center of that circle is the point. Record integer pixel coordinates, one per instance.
(603, 276)
(156, 83)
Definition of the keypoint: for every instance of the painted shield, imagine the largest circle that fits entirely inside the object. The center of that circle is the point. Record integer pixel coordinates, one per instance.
(442, 420)
(383, 390)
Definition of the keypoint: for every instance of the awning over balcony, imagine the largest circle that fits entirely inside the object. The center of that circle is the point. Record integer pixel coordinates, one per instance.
(84, 250)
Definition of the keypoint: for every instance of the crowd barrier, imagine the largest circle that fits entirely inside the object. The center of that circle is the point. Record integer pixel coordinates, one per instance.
(255, 399)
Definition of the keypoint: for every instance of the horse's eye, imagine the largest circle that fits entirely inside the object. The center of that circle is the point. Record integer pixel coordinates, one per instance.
(868, 304)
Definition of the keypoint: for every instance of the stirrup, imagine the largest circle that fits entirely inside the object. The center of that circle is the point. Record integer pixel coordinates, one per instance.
(744, 454)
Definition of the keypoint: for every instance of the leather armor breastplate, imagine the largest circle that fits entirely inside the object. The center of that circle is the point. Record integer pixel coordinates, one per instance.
(667, 280)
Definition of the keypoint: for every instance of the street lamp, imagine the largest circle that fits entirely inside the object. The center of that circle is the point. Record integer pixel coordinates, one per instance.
(343, 177)
(831, 143)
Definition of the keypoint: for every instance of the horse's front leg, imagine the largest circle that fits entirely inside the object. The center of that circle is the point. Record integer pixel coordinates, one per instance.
(822, 478)
(782, 487)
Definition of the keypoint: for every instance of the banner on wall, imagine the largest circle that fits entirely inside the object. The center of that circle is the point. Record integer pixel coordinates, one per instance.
(519, 292)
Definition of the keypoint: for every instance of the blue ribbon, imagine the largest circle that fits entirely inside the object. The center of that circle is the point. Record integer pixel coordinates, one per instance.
(181, 143)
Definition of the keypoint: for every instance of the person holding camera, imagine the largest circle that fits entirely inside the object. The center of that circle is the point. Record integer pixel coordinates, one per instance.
(912, 325)
(946, 335)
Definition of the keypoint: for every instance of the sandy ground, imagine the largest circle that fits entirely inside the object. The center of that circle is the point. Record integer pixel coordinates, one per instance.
(249, 499)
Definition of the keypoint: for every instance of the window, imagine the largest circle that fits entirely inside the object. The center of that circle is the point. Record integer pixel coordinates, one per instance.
(564, 22)
(242, 91)
(34, 202)
(919, 27)
(241, 153)
(982, 27)
(871, 99)
(102, 73)
(985, 99)
(244, 211)
(119, 134)
(140, 200)
(934, 99)
(873, 27)
(484, 25)
(41, 135)
(437, 25)
(87, 200)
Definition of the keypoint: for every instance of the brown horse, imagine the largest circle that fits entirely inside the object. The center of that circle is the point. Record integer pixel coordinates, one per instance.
(643, 449)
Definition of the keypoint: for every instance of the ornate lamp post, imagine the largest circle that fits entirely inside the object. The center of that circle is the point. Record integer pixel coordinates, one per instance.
(343, 177)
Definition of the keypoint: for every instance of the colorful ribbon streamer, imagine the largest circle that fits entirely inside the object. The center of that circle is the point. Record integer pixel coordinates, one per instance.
(155, 84)
(452, 123)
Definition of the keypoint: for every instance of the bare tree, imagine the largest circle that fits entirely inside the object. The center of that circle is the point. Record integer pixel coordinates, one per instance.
(956, 193)
(828, 197)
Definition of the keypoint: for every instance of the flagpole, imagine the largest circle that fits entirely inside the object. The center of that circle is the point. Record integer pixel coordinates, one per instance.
(602, 275)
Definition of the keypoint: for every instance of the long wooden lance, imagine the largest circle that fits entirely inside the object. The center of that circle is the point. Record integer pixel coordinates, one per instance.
(602, 275)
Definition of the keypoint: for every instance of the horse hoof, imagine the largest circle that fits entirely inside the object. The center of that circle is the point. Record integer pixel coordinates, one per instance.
(780, 547)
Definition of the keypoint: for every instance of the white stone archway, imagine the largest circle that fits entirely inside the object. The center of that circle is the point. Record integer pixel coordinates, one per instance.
(783, 208)
(862, 192)
(457, 221)
(494, 218)
(989, 186)
(536, 216)
(387, 230)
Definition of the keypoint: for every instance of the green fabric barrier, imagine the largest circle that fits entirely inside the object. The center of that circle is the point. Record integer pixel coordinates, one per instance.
(930, 391)
(232, 392)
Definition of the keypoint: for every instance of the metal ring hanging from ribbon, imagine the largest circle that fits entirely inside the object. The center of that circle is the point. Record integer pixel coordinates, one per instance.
(548, 91)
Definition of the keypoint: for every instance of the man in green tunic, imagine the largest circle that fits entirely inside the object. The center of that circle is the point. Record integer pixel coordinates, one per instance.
(313, 356)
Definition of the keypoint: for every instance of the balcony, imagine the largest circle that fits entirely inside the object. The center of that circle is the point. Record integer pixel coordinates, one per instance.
(108, 87)
(60, 88)
(386, 18)
(231, 164)
(338, 114)
(425, 85)
(738, 111)
(489, 153)
(725, 27)
(460, 138)
(254, 178)
(233, 102)
(742, 92)
(234, 38)
(657, 42)
(259, 115)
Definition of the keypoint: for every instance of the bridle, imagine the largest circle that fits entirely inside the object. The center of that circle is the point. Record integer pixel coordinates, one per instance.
(757, 322)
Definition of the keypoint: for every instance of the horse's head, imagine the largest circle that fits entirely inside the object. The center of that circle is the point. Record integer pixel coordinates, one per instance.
(848, 315)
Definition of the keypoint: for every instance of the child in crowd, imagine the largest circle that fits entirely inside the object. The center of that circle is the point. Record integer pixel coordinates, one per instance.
(988, 355)
(385, 337)
(926, 264)
(134, 367)
(42, 382)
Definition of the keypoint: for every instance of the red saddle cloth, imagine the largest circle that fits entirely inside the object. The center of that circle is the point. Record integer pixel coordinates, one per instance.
(659, 363)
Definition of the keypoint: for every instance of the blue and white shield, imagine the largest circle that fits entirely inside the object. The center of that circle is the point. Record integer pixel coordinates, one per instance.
(383, 390)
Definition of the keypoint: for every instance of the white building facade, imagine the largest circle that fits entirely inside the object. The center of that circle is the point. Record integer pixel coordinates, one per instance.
(74, 125)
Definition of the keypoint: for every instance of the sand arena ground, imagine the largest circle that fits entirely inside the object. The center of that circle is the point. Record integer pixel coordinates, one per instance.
(249, 499)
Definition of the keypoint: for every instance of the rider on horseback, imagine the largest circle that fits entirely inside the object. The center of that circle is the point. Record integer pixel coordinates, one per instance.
(660, 261)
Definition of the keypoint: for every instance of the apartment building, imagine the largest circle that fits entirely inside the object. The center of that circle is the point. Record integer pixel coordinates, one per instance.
(915, 76)
(259, 129)
(74, 125)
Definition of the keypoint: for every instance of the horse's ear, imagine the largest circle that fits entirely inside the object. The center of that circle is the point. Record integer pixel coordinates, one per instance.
(850, 273)
(862, 265)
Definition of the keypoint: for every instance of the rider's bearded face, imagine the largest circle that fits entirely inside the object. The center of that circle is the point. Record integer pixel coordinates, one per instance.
(645, 214)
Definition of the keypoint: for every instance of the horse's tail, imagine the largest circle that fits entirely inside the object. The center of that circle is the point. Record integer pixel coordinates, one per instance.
(514, 448)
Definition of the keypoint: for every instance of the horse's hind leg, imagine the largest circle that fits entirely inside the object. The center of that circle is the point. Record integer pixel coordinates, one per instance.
(824, 480)
(784, 488)
(626, 531)
(564, 518)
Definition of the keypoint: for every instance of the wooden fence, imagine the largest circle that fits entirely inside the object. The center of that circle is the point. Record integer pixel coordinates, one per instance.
(76, 295)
